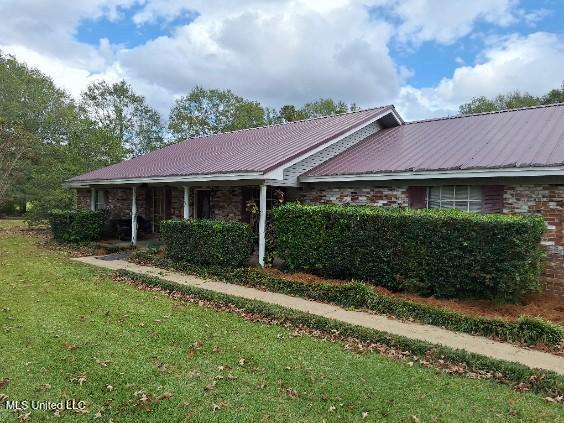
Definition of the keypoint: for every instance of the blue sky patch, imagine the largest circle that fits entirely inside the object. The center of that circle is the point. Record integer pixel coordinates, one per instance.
(125, 32)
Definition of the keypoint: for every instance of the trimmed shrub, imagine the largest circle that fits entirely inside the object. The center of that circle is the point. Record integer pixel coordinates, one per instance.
(207, 241)
(78, 225)
(446, 253)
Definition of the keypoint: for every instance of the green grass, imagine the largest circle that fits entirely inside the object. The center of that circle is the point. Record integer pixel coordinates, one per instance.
(60, 321)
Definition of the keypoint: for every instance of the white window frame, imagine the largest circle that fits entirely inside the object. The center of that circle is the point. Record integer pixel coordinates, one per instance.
(100, 200)
(450, 204)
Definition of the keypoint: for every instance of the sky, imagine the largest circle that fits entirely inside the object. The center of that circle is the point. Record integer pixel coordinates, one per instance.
(424, 56)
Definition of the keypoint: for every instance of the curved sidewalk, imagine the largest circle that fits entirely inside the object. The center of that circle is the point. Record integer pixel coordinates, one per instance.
(432, 334)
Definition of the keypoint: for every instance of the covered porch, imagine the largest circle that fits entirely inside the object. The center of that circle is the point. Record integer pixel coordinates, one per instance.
(135, 211)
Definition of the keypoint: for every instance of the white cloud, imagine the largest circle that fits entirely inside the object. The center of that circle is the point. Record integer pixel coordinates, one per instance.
(446, 21)
(278, 55)
(533, 63)
(283, 51)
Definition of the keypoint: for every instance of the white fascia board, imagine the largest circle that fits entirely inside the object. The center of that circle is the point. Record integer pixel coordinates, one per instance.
(167, 179)
(278, 173)
(446, 174)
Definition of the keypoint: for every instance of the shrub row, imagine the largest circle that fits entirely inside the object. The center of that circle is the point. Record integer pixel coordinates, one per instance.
(526, 329)
(540, 381)
(446, 253)
(207, 241)
(78, 225)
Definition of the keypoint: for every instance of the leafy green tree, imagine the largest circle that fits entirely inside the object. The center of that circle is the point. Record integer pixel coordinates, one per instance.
(554, 96)
(47, 138)
(121, 113)
(511, 100)
(204, 112)
(323, 107)
(17, 145)
(289, 113)
(313, 109)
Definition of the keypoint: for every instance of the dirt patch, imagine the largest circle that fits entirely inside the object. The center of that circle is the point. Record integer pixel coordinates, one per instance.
(550, 307)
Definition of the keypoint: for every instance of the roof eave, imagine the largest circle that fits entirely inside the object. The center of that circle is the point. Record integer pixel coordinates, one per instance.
(440, 174)
(182, 179)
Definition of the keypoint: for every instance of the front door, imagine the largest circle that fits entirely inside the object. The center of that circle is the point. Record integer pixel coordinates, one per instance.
(161, 207)
(203, 203)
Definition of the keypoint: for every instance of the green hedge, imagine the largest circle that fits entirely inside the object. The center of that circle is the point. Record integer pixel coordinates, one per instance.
(526, 329)
(207, 241)
(446, 253)
(77, 225)
(540, 381)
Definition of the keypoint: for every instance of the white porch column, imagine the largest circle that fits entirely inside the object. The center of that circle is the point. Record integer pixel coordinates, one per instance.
(133, 216)
(262, 224)
(92, 198)
(186, 202)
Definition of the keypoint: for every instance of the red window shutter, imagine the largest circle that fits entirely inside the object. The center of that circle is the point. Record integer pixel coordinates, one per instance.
(417, 197)
(492, 198)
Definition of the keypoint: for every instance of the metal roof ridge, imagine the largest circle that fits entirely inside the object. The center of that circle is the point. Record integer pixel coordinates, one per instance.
(387, 106)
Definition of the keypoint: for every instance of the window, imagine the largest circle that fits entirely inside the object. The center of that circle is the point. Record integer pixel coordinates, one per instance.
(100, 202)
(462, 197)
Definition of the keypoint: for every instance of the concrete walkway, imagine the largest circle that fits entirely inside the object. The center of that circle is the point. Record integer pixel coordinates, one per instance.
(432, 334)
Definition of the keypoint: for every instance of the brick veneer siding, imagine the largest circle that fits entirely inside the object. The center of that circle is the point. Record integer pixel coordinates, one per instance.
(366, 195)
(83, 198)
(225, 202)
(547, 200)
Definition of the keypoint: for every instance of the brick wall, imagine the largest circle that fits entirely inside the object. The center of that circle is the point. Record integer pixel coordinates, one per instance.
(83, 198)
(547, 200)
(372, 196)
(225, 202)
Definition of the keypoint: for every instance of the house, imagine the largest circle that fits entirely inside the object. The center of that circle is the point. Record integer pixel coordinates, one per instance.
(499, 162)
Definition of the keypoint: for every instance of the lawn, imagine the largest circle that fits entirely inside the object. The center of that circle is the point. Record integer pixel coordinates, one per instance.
(67, 331)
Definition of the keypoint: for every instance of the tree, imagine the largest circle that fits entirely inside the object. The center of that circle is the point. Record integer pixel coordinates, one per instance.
(323, 107)
(124, 115)
(45, 139)
(16, 145)
(554, 96)
(204, 112)
(318, 108)
(289, 113)
(511, 100)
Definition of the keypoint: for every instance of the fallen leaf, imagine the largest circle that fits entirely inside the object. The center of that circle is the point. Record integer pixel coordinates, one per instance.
(364, 414)
(164, 395)
(70, 347)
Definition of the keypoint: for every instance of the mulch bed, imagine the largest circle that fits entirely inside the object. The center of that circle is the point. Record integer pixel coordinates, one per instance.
(550, 307)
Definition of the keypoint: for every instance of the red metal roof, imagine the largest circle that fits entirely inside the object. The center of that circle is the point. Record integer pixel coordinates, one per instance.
(527, 137)
(251, 150)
